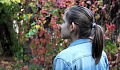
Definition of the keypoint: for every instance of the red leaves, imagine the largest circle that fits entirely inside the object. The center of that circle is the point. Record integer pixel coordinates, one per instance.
(109, 31)
(41, 17)
(34, 60)
(20, 33)
(53, 23)
(43, 41)
(106, 37)
(110, 27)
(36, 41)
(25, 67)
(56, 17)
(41, 33)
(44, 11)
(47, 36)
(44, 50)
(103, 9)
(47, 43)
(64, 3)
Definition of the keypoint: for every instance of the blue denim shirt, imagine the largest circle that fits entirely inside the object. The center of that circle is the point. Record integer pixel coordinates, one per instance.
(78, 56)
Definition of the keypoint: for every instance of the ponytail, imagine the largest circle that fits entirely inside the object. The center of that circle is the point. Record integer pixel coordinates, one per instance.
(85, 20)
(97, 44)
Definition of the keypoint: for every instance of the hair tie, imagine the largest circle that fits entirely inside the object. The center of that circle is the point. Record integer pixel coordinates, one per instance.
(93, 25)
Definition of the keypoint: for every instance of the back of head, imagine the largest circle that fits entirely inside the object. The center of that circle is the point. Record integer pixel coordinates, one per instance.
(84, 19)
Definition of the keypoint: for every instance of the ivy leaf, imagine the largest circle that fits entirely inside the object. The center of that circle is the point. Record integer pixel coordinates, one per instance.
(37, 26)
(31, 33)
(50, 12)
(46, 8)
(27, 35)
(55, 10)
(35, 30)
(29, 15)
(33, 23)
(43, 41)
(47, 4)
(25, 17)
(48, 16)
(41, 33)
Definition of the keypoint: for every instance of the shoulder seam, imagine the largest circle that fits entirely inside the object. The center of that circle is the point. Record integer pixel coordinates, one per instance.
(68, 63)
(81, 57)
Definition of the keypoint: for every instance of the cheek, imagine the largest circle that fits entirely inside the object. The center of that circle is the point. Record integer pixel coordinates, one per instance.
(64, 32)
(62, 27)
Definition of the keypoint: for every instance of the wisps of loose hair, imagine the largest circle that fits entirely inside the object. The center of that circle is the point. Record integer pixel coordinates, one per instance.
(84, 18)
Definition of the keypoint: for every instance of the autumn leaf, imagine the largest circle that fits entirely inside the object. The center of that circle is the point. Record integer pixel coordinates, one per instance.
(106, 37)
(29, 16)
(42, 59)
(9, 67)
(43, 40)
(56, 17)
(27, 39)
(44, 50)
(41, 33)
(112, 27)
(97, 16)
(25, 67)
(36, 39)
(37, 26)
(47, 36)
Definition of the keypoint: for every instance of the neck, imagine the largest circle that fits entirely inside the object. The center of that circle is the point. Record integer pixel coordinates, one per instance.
(74, 38)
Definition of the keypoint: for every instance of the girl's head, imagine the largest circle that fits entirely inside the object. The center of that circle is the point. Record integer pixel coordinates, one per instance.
(80, 17)
(78, 24)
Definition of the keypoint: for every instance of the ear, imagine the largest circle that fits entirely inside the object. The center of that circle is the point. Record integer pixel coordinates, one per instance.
(73, 27)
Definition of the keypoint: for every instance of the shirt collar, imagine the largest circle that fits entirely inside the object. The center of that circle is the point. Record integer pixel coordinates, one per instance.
(80, 41)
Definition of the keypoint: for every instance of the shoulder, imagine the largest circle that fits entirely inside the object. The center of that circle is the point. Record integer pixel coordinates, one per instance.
(64, 55)
(74, 52)
(104, 54)
(105, 57)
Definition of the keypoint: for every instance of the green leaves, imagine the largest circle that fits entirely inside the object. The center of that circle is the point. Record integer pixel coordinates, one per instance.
(33, 24)
(109, 46)
(35, 30)
(46, 8)
(50, 12)
(27, 35)
(25, 16)
(31, 32)
(48, 16)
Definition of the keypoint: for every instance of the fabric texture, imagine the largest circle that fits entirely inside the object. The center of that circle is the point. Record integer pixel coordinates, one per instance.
(78, 56)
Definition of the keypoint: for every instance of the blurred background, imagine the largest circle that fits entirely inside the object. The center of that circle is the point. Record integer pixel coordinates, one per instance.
(30, 36)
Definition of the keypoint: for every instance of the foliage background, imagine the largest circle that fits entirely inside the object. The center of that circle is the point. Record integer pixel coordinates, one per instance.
(37, 30)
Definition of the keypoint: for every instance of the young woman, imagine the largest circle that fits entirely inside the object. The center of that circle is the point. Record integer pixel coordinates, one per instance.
(82, 54)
